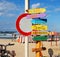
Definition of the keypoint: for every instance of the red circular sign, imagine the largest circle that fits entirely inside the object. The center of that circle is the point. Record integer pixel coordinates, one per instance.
(18, 24)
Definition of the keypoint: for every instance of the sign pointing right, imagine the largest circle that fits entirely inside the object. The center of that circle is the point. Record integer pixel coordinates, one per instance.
(36, 15)
(38, 21)
(39, 27)
(41, 19)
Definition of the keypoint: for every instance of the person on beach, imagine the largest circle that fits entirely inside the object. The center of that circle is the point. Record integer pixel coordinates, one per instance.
(14, 37)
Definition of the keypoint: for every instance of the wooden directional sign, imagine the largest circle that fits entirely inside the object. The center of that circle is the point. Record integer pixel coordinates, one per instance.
(40, 38)
(36, 15)
(36, 10)
(39, 33)
(41, 19)
(38, 21)
(39, 27)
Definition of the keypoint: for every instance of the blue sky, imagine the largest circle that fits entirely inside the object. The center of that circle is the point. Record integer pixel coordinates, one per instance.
(11, 9)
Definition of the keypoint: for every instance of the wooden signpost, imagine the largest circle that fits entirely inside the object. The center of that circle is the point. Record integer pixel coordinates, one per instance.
(36, 13)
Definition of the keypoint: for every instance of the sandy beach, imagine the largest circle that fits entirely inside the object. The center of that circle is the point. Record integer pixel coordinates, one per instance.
(20, 48)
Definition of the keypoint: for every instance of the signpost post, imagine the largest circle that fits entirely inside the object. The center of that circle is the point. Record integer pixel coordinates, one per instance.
(20, 30)
(26, 37)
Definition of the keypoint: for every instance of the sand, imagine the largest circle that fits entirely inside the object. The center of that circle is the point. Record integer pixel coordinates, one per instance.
(20, 48)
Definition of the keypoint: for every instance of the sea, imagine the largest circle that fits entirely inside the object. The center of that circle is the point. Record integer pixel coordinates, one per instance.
(7, 36)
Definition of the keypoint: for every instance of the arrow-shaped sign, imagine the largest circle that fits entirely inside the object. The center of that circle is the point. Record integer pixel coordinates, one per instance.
(39, 27)
(39, 33)
(36, 10)
(36, 15)
(38, 21)
(40, 38)
(41, 19)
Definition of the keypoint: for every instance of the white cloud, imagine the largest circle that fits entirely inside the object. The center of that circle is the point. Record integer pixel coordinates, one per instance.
(57, 9)
(6, 7)
(48, 11)
(54, 10)
(11, 15)
(35, 5)
(48, 15)
(1, 14)
(46, 7)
